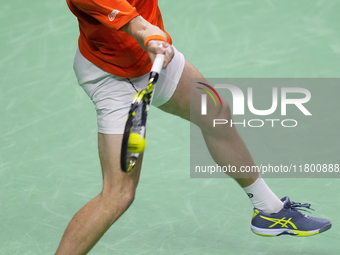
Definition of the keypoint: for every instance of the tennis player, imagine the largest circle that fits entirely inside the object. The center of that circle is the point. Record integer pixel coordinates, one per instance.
(117, 44)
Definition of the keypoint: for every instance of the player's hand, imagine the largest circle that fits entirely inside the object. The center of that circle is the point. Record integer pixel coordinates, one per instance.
(159, 47)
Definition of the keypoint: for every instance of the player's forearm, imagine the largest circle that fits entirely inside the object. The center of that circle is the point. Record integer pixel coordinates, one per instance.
(140, 29)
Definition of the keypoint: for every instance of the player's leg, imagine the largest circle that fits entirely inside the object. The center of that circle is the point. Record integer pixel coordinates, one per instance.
(92, 221)
(112, 97)
(226, 147)
(172, 95)
(223, 141)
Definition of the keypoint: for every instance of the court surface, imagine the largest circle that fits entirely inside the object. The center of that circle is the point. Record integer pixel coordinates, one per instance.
(49, 166)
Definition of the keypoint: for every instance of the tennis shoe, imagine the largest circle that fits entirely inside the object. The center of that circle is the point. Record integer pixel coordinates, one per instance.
(288, 221)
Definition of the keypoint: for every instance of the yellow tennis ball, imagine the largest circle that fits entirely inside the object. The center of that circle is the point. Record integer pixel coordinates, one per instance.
(136, 143)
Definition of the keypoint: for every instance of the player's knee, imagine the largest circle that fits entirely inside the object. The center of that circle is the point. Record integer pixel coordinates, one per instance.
(128, 197)
(225, 112)
(221, 114)
(119, 196)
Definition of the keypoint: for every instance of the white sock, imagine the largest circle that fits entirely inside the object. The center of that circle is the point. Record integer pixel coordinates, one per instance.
(263, 198)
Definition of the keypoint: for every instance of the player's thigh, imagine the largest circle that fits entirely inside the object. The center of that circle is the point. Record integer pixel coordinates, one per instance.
(186, 100)
(116, 181)
(179, 103)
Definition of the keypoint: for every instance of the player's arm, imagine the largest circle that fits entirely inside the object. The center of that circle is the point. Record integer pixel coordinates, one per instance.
(140, 29)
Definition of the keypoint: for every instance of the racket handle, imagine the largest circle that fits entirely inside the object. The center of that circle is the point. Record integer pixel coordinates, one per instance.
(158, 63)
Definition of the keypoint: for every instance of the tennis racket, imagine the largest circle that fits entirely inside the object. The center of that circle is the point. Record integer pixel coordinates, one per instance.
(133, 138)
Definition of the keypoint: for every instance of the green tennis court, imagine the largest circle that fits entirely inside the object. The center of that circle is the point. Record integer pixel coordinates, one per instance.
(49, 166)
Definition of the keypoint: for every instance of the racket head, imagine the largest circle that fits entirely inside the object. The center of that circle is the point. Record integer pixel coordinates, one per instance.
(136, 120)
(135, 123)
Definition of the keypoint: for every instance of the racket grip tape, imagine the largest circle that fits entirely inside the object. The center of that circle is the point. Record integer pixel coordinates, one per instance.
(158, 63)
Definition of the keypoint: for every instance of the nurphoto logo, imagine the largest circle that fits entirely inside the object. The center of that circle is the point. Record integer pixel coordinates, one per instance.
(288, 96)
(204, 97)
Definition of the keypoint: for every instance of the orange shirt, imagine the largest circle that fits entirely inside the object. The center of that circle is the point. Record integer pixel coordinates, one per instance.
(103, 43)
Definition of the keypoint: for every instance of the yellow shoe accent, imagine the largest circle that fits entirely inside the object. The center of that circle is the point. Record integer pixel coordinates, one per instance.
(282, 222)
(305, 233)
(256, 212)
(264, 235)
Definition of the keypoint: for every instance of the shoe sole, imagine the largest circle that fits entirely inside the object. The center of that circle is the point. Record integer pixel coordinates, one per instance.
(278, 232)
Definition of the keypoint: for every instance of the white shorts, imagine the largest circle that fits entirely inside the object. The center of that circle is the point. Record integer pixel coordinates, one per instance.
(112, 95)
